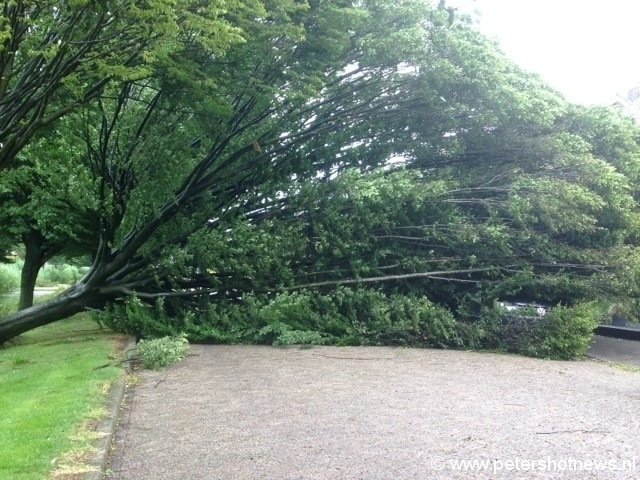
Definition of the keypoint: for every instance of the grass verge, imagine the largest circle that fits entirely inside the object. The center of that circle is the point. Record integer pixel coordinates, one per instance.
(51, 392)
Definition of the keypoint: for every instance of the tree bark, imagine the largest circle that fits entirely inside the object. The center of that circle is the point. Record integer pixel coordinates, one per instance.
(34, 259)
(73, 301)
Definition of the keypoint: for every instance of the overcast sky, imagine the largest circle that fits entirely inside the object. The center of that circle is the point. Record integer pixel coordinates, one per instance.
(586, 49)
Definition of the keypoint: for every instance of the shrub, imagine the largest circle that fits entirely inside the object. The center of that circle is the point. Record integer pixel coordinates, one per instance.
(563, 333)
(567, 331)
(9, 277)
(161, 352)
(51, 275)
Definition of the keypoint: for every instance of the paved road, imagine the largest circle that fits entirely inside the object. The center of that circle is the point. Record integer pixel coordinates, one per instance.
(616, 350)
(241, 412)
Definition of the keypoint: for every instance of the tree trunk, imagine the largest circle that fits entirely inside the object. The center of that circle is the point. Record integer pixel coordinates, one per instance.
(73, 301)
(34, 259)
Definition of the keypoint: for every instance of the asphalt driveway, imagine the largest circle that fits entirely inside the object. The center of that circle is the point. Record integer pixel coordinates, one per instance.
(243, 412)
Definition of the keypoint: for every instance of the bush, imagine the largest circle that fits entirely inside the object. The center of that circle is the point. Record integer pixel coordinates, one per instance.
(563, 333)
(567, 331)
(161, 352)
(51, 275)
(9, 277)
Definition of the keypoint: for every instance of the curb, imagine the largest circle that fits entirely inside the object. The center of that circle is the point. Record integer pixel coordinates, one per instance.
(615, 331)
(108, 424)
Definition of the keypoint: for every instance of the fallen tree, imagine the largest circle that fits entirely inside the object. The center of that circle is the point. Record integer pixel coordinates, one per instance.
(305, 78)
(270, 167)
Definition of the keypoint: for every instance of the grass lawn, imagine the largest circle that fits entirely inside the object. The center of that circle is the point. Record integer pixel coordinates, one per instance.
(50, 391)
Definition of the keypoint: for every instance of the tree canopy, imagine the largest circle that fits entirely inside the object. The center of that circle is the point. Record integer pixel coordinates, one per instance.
(206, 150)
(56, 56)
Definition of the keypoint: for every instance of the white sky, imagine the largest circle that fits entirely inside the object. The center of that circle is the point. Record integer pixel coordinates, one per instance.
(586, 49)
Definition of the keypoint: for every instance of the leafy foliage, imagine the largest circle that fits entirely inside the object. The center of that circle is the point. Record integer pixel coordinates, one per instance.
(369, 317)
(62, 274)
(343, 317)
(563, 333)
(162, 352)
(57, 56)
(249, 178)
(568, 331)
(136, 318)
(9, 279)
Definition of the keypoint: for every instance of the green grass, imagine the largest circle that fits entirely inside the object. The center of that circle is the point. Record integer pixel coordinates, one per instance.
(49, 386)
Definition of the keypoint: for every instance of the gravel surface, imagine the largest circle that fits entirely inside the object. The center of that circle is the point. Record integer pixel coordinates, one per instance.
(243, 412)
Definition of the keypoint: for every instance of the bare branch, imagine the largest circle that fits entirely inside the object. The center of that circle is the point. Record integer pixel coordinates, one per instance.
(391, 278)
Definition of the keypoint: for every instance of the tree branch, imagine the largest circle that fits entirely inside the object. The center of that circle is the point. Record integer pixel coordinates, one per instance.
(390, 278)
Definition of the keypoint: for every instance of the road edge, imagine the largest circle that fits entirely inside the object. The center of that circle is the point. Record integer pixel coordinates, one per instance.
(108, 424)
